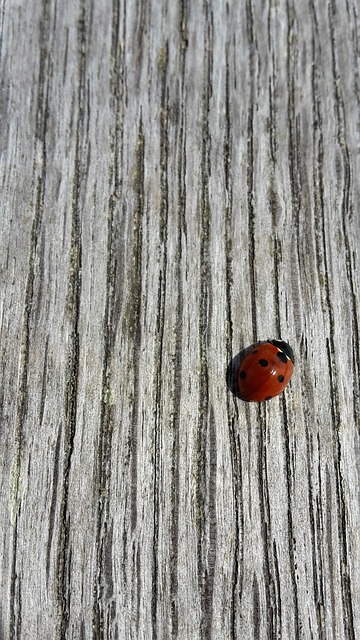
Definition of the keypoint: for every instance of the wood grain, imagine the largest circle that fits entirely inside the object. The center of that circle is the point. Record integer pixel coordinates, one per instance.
(179, 180)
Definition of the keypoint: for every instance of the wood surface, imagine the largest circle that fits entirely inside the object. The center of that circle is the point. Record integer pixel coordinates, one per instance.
(179, 180)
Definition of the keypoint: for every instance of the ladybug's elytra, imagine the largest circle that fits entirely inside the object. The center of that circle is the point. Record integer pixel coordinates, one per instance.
(265, 370)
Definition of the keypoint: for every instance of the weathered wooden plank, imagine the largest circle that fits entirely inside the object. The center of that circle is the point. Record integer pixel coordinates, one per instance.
(179, 180)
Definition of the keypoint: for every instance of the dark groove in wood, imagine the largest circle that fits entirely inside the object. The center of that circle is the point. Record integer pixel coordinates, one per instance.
(183, 30)
(342, 529)
(63, 557)
(291, 535)
(211, 556)
(264, 504)
(273, 130)
(53, 503)
(250, 166)
(205, 554)
(44, 382)
(329, 548)
(175, 469)
(277, 587)
(235, 452)
(103, 584)
(295, 186)
(227, 152)
(256, 614)
(315, 534)
(133, 327)
(319, 532)
(160, 324)
(238, 560)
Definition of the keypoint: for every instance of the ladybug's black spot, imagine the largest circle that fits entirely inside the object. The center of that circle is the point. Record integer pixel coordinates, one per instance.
(282, 357)
(268, 398)
(242, 375)
(281, 378)
(263, 363)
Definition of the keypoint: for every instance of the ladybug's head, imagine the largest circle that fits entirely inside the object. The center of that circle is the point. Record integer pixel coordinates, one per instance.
(285, 348)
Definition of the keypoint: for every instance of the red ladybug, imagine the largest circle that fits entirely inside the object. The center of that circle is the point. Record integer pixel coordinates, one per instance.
(265, 370)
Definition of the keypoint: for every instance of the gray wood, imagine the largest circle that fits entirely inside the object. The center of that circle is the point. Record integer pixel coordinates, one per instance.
(179, 180)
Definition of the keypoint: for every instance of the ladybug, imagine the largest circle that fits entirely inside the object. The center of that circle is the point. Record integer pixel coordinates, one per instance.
(265, 370)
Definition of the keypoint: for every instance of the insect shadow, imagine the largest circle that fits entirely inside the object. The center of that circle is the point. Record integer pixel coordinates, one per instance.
(232, 371)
